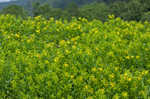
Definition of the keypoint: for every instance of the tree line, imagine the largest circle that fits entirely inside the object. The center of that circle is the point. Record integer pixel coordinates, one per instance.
(138, 10)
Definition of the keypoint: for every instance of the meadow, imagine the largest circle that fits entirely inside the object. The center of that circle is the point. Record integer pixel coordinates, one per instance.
(77, 59)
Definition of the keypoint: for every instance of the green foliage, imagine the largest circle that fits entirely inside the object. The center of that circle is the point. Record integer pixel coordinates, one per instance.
(73, 10)
(89, 9)
(95, 11)
(15, 10)
(80, 59)
(118, 9)
(146, 16)
(134, 10)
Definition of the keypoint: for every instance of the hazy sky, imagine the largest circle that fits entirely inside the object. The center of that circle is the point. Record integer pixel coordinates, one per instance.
(4, 0)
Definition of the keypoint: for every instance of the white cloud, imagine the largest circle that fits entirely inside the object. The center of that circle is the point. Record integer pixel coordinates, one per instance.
(4, 0)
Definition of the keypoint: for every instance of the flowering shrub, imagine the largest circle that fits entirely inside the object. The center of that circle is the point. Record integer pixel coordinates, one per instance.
(48, 59)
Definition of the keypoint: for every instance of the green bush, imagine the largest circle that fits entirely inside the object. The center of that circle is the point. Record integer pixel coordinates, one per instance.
(80, 59)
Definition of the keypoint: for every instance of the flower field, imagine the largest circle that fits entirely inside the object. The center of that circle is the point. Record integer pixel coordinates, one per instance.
(80, 59)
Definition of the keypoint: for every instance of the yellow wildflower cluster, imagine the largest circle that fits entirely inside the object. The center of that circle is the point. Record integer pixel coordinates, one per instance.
(76, 59)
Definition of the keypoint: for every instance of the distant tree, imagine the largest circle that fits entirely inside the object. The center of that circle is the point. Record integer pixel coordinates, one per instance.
(45, 10)
(61, 3)
(35, 9)
(118, 8)
(131, 10)
(72, 10)
(146, 16)
(134, 10)
(145, 5)
(95, 11)
(57, 13)
(14, 10)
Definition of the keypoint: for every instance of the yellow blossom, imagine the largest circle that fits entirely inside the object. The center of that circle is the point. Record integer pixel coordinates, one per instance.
(72, 76)
(56, 59)
(127, 57)
(137, 57)
(100, 69)
(129, 79)
(124, 94)
(94, 69)
(46, 62)
(66, 65)
(62, 42)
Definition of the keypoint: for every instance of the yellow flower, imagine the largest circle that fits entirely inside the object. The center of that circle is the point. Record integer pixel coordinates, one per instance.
(137, 57)
(17, 35)
(86, 87)
(129, 79)
(17, 51)
(111, 16)
(56, 59)
(66, 74)
(111, 76)
(102, 91)
(146, 72)
(116, 68)
(51, 19)
(132, 56)
(80, 78)
(45, 28)
(79, 27)
(72, 76)
(46, 62)
(67, 51)
(124, 94)
(97, 49)
(112, 84)
(90, 97)
(38, 55)
(88, 51)
(139, 78)
(74, 47)
(66, 65)
(93, 78)
(48, 45)
(90, 90)
(38, 31)
(29, 40)
(94, 69)
(100, 69)
(62, 42)
(73, 39)
(125, 74)
(127, 57)
(105, 36)
(110, 53)
(142, 92)
(37, 17)
(146, 49)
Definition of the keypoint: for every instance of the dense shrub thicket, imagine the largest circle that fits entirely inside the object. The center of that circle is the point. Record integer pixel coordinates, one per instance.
(80, 59)
(137, 10)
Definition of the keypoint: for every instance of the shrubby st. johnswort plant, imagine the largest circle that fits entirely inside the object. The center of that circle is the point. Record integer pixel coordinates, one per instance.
(79, 59)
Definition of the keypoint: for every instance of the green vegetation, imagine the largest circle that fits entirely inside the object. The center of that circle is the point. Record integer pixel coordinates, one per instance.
(15, 10)
(79, 59)
(71, 49)
(136, 10)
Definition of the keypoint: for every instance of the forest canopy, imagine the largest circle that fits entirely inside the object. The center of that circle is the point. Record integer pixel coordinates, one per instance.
(91, 9)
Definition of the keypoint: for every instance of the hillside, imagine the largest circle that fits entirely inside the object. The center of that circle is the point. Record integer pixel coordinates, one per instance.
(54, 3)
(19, 2)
